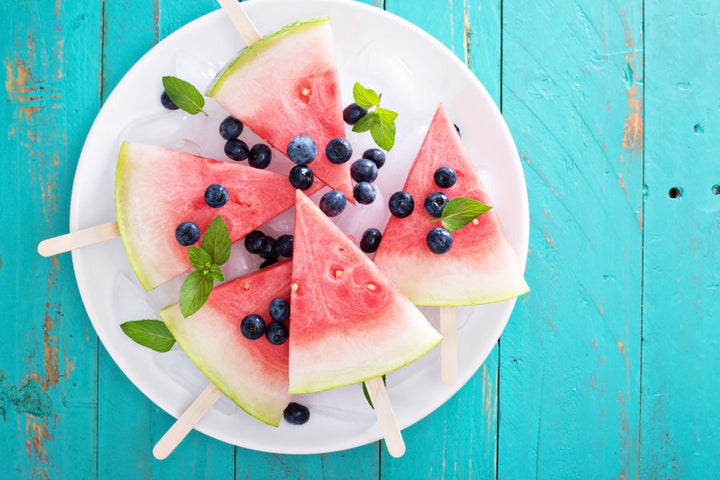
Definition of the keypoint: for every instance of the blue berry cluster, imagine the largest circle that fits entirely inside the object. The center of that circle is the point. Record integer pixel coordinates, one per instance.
(253, 326)
(401, 204)
(269, 248)
(365, 172)
(259, 156)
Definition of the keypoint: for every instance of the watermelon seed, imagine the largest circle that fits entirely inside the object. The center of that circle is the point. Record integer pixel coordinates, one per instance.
(339, 273)
(372, 287)
(246, 285)
(294, 287)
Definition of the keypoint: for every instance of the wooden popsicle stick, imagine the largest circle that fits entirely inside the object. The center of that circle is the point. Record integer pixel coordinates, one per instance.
(448, 346)
(240, 20)
(386, 417)
(186, 422)
(77, 239)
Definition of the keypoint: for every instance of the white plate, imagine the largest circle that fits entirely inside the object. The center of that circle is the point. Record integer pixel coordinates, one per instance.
(414, 72)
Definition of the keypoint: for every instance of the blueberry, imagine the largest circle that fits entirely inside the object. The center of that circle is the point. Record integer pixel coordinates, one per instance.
(187, 233)
(296, 414)
(276, 333)
(333, 203)
(268, 262)
(370, 240)
(260, 156)
(237, 150)
(216, 196)
(270, 251)
(338, 150)
(301, 176)
(439, 240)
(255, 241)
(435, 203)
(230, 128)
(364, 192)
(401, 204)
(252, 326)
(363, 170)
(166, 102)
(284, 246)
(376, 155)
(445, 177)
(302, 150)
(279, 309)
(353, 113)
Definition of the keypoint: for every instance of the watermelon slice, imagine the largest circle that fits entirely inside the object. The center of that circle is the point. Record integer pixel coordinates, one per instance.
(158, 188)
(481, 267)
(286, 84)
(252, 373)
(349, 322)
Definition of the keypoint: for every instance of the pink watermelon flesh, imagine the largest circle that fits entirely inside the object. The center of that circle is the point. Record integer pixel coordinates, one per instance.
(158, 188)
(349, 322)
(481, 267)
(252, 373)
(286, 85)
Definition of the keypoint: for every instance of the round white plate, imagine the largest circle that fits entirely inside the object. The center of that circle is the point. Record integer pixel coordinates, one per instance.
(414, 72)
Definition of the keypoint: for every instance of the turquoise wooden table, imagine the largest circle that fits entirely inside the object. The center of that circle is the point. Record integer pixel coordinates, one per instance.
(607, 369)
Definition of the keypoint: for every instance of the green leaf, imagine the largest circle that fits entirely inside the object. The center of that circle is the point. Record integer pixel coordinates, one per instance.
(367, 394)
(194, 292)
(216, 241)
(460, 211)
(384, 134)
(216, 274)
(386, 115)
(199, 258)
(149, 333)
(184, 95)
(365, 97)
(367, 122)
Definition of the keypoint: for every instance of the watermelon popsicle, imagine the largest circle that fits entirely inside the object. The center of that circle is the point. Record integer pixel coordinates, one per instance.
(480, 266)
(349, 322)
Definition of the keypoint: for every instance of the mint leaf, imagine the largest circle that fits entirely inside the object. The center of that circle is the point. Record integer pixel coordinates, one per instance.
(194, 292)
(460, 211)
(184, 95)
(367, 122)
(199, 258)
(216, 241)
(367, 394)
(386, 115)
(216, 274)
(152, 334)
(383, 133)
(365, 97)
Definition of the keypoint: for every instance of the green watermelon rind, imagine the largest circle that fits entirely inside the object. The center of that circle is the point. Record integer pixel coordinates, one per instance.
(122, 177)
(256, 49)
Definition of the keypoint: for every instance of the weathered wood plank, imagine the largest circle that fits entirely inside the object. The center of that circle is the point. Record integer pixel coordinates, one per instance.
(570, 358)
(681, 354)
(458, 440)
(48, 367)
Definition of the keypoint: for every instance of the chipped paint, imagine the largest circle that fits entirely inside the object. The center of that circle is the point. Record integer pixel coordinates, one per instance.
(633, 129)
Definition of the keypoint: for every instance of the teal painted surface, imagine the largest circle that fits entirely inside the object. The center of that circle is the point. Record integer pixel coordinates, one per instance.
(607, 369)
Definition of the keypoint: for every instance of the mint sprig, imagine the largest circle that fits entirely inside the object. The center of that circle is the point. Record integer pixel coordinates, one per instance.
(152, 334)
(206, 259)
(460, 211)
(379, 121)
(184, 95)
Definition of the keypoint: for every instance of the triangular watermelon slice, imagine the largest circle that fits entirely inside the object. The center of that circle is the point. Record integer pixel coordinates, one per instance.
(158, 188)
(286, 84)
(349, 322)
(481, 267)
(252, 373)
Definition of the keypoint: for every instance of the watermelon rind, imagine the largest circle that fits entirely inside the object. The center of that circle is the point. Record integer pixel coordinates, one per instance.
(252, 373)
(257, 49)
